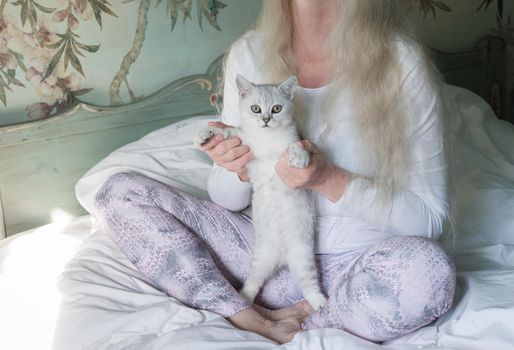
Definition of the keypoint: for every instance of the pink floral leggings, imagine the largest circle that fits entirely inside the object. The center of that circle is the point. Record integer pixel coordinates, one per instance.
(199, 253)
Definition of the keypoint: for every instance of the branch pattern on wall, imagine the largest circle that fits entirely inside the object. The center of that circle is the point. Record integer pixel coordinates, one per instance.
(44, 53)
(39, 46)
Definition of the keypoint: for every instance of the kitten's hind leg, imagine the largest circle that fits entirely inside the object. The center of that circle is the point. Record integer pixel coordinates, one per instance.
(300, 260)
(264, 261)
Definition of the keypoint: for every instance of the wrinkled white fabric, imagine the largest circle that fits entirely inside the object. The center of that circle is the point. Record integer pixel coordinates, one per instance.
(99, 283)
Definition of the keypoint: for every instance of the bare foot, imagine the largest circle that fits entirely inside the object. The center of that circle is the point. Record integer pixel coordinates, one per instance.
(299, 311)
(281, 331)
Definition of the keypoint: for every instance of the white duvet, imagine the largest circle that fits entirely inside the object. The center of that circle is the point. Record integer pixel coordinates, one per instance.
(100, 301)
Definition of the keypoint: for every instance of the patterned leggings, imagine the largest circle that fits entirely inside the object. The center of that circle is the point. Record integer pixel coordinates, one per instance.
(199, 253)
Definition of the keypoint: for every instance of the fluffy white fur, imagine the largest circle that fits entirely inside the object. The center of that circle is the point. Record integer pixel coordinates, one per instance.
(283, 218)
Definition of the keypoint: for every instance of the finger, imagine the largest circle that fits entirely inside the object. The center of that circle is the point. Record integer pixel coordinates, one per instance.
(287, 178)
(226, 145)
(215, 140)
(239, 163)
(218, 125)
(234, 153)
(284, 158)
(285, 170)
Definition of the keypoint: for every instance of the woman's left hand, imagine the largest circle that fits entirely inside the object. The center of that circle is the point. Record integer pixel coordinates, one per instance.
(319, 175)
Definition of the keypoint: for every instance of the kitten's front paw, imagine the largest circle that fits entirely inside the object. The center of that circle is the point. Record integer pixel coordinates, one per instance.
(203, 137)
(298, 157)
(317, 300)
(249, 292)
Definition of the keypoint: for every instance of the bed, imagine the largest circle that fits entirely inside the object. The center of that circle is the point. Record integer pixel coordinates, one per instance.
(64, 285)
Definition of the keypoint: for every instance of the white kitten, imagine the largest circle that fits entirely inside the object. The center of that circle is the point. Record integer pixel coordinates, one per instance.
(283, 218)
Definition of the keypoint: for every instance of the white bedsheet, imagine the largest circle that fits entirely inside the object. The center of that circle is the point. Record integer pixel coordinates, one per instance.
(102, 302)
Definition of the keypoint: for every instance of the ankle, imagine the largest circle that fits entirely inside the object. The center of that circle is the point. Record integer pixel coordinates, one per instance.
(249, 319)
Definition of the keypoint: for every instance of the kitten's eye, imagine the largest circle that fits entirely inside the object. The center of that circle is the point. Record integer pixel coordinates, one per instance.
(276, 108)
(256, 109)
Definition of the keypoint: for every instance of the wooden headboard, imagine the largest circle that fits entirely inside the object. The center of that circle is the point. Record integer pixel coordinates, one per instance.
(41, 161)
(482, 70)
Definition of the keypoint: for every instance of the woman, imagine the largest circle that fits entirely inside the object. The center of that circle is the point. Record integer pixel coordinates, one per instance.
(369, 109)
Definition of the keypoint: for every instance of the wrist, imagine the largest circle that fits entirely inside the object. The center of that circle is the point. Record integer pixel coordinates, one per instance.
(243, 176)
(334, 185)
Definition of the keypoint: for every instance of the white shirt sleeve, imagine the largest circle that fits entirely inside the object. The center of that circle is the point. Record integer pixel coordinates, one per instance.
(224, 187)
(422, 207)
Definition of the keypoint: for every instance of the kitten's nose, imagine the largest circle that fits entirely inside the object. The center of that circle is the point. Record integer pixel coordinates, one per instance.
(266, 120)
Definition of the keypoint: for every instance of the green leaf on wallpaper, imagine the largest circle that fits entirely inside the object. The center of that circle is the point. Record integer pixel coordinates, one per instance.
(3, 96)
(187, 8)
(174, 6)
(429, 6)
(11, 78)
(441, 5)
(204, 8)
(81, 91)
(88, 48)
(485, 4)
(76, 63)
(24, 13)
(33, 13)
(44, 9)
(53, 62)
(54, 46)
(209, 10)
(99, 7)
(28, 10)
(76, 49)
(67, 52)
(19, 59)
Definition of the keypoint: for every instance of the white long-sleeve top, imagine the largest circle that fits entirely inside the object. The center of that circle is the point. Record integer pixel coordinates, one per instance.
(352, 223)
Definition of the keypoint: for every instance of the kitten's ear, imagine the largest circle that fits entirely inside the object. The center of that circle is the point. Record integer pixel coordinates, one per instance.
(288, 87)
(243, 85)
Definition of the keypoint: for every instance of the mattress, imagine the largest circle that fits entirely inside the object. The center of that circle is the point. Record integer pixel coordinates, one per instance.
(66, 286)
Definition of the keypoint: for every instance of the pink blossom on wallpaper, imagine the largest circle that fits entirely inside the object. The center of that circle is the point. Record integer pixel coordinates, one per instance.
(5, 22)
(48, 90)
(39, 110)
(6, 60)
(59, 16)
(47, 33)
(82, 9)
(37, 58)
(72, 81)
(73, 22)
(30, 73)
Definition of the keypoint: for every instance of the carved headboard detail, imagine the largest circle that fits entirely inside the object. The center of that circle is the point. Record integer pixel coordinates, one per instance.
(41, 161)
(482, 70)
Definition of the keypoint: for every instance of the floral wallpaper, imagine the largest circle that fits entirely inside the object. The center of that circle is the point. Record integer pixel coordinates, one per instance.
(111, 52)
(44, 43)
(41, 55)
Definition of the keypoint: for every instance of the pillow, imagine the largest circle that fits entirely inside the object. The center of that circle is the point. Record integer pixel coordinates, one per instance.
(167, 155)
(483, 155)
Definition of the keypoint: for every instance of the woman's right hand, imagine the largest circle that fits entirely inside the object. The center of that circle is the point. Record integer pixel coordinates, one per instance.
(229, 153)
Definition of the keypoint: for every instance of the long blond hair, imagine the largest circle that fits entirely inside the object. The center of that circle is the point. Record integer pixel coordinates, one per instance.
(364, 59)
